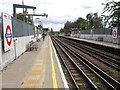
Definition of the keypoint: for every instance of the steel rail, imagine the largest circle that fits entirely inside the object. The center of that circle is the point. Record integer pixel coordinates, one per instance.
(73, 52)
(112, 81)
(92, 85)
(110, 55)
(62, 59)
(96, 55)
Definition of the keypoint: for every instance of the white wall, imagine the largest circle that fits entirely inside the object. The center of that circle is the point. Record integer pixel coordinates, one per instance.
(107, 38)
(20, 46)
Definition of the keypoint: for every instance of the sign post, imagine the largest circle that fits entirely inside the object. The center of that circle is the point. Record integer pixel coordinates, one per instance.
(7, 32)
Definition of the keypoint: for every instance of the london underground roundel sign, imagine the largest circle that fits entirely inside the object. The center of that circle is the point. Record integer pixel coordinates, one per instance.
(114, 32)
(8, 35)
(7, 32)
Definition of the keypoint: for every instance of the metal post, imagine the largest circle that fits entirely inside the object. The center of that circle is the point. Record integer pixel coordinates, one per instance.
(118, 29)
(14, 36)
(15, 48)
(23, 4)
(33, 22)
(37, 27)
(14, 11)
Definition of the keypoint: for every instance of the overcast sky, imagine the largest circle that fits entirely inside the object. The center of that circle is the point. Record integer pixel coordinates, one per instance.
(59, 11)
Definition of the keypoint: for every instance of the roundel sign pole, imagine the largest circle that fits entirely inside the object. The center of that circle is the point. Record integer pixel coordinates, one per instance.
(7, 32)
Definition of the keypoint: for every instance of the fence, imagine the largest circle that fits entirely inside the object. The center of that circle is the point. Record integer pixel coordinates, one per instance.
(103, 34)
(21, 28)
(97, 31)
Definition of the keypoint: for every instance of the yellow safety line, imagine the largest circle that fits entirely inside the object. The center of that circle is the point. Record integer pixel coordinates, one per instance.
(53, 69)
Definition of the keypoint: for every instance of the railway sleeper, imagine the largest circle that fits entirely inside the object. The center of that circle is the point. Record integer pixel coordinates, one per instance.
(78, 79)
(75, 74)
(73, 71)
(83, 86)
(72, 68)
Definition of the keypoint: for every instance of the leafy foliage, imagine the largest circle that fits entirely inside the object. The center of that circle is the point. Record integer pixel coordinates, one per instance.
(92, 21)
(22, 17)
(40, 26)
(113, 18)
(68, 25)
(81, 23)
(51, 31)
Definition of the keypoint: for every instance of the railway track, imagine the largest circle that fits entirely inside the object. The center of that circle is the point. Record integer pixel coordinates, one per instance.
(106, 58)
(84, 74)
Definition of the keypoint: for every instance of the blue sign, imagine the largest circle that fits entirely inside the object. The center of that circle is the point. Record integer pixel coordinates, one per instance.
(8, 35)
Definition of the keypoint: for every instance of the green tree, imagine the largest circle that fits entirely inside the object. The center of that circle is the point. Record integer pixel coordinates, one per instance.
(89, 17)
(51, 31)
(81, 23)
(94, 21)
(22, 17)
(61, 30)
(29, 20)
(40, 26)
(68, 25)
(113, 8)
(97, 21)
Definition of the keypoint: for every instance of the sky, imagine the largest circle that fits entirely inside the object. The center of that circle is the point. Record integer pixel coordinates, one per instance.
(59, 11)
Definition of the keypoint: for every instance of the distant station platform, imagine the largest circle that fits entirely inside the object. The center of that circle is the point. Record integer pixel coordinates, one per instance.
(108, 44)
(35, 69)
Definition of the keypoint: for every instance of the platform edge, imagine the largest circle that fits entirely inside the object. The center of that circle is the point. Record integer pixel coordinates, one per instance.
(60, 67)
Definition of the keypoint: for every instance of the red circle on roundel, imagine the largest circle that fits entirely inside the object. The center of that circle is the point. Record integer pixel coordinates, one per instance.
(8, 29)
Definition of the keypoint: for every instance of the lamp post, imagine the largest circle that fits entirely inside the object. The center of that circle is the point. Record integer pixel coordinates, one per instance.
(40, 27)
(36, 20)
(37, 30)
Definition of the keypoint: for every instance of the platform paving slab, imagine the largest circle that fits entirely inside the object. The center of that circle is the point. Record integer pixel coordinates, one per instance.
(14, 74)
(45, 78)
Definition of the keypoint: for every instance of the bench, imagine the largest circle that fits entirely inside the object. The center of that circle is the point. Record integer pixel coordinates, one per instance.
(38, 40)
(33, 46)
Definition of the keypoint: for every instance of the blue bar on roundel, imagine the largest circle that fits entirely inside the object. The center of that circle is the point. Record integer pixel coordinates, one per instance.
(8, 35)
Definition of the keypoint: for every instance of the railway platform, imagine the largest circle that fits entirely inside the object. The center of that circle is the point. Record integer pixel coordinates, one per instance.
(108, 44)
(35, 69)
